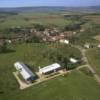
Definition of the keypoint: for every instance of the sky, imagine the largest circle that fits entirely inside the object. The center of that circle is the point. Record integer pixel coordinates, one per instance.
(23, 3)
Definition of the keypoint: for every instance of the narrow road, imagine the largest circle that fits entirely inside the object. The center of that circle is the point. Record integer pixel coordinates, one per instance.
(82, 66)
(83, 52)
(24, 85)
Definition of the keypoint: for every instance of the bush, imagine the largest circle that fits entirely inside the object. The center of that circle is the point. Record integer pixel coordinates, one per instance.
(72, 27)
(3, 48)
(36, 39)
(39, 27)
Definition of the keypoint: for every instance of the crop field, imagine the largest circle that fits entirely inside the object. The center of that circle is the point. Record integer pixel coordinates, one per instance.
(94, 18)
(27, 19)
(75, 86)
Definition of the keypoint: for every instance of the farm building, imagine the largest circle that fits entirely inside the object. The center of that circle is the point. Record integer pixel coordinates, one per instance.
(25, 71)
(64, 41)
(74, 61)
(87, 46)
(56, 38)
(98, 46)
(49, 68)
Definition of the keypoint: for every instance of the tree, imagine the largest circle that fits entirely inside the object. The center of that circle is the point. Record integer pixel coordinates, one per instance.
(39, 27)
(3, 47)
(70, 66)
(64, 62)
(72, 27)
(36, 39)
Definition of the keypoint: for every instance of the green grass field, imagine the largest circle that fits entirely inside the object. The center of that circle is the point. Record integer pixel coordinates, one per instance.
(31, 54)
(41, 18)
(94, 18)
(94, 59)
(75, 86)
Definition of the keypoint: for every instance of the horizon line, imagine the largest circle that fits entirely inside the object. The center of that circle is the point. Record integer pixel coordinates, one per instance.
(50, 6)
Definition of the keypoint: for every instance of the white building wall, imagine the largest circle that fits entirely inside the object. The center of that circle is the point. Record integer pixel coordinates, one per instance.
(49, 68)
(23, 69)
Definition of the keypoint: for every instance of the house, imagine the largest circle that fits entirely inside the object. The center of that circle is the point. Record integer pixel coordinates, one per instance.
(44, 39)
(74, 61)
(46, 32)
(64, 41)
(68, 34)
(8, 41)
(50, 68)
(87, 46)
(55, 38)
(98, 46)
(82, 30)
(56, 30)
(74, 33)
(62, 35)
(25, 71)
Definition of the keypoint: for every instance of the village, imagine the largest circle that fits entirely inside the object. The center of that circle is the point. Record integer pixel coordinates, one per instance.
(49, 49)
(49, 52)
(24, 76)
(41, 34)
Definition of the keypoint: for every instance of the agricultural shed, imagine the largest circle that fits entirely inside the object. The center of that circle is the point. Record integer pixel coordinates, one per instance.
(64, 41)
(73, 60)
(25, 72)
(49, 68)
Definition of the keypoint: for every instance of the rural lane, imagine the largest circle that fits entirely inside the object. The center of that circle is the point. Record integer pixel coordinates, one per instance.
(83, 52)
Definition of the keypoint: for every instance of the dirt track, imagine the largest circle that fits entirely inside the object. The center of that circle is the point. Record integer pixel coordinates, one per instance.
(83, 52)
(41, 79)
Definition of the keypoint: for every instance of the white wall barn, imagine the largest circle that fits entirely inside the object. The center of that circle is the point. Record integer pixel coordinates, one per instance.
(49, 68)
(24, 71)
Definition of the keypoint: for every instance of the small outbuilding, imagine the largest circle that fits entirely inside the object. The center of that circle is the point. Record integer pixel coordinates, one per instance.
(64, 41)
(9, 41)
(25, 72)
(74, 61)
(50, 68)
(98, 46)
(87, 46)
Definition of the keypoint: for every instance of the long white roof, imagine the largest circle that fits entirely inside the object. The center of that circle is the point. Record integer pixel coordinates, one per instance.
(49, 68)
(23, 69)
